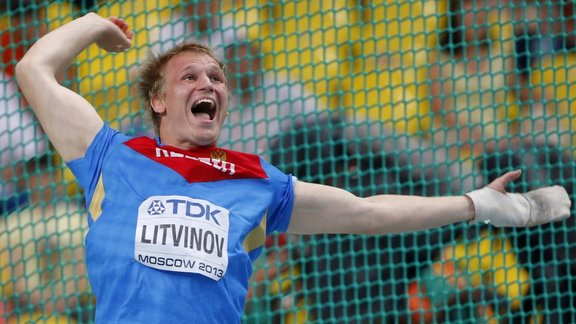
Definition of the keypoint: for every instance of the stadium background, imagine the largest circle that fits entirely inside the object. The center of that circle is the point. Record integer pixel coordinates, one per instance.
(337, 92)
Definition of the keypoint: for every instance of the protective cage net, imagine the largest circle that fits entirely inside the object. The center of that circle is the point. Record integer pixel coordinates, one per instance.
(399, 97)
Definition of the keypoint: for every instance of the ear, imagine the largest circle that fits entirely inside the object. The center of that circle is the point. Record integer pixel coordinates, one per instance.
(157, 104)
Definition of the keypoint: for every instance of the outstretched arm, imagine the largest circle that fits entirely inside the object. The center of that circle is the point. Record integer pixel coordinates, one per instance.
(68, 119)
(324, 209)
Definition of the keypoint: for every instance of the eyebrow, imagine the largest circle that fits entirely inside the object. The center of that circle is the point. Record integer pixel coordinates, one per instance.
(196, 67)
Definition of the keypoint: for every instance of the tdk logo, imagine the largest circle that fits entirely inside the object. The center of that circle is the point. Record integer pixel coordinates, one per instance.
(188, 207)
(156, 208)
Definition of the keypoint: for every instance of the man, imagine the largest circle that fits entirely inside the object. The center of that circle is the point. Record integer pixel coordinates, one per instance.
(176, 222)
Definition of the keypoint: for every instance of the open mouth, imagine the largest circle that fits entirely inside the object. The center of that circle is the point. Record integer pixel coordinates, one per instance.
(204, 109)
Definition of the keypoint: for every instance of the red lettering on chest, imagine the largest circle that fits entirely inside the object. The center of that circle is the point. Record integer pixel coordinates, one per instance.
(201, 165)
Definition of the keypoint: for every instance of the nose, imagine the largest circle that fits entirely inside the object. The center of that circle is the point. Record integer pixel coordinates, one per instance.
(205, 83)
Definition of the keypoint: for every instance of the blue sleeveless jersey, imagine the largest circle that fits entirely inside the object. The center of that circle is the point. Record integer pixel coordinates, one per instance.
(173, 233)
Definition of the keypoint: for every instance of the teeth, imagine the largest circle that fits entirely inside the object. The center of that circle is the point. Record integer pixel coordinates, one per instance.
(201, 101)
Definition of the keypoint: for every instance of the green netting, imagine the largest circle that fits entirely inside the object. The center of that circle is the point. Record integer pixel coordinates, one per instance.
(409, 97)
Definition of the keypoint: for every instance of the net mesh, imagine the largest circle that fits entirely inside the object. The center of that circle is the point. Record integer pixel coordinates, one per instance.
(377, 97)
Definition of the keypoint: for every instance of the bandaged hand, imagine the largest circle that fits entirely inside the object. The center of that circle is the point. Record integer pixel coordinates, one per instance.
(495, 206)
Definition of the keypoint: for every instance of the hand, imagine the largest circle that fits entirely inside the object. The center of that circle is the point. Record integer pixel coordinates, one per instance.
(117, 36)
(494, 206)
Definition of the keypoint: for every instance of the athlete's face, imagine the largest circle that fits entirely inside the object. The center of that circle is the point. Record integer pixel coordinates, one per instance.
(194, 101)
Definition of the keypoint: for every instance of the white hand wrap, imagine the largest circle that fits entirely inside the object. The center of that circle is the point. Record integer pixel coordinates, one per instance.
(535, 207)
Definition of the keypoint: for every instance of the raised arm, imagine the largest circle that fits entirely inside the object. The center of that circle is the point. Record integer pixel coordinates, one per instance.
(324, 209)
(68, 119)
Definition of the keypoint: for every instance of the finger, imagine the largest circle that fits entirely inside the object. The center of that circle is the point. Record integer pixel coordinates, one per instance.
(118, 22)
(121, 47)
(511, 176)
(121, 24)
(501, 182)
(115, 20)
(125, 43)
